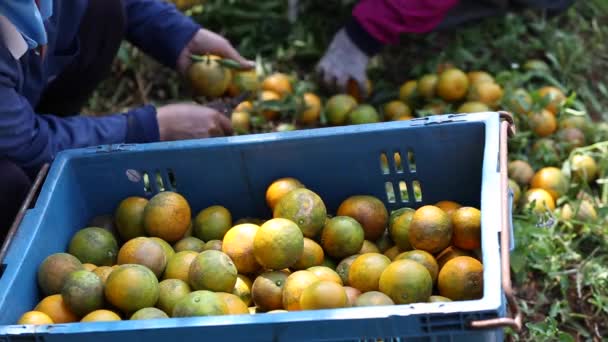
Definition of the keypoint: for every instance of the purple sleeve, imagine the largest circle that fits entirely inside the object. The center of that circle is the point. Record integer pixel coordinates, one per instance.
(385, 20)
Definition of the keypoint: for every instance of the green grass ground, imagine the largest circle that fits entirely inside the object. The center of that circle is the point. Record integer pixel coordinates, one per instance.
(559, 267)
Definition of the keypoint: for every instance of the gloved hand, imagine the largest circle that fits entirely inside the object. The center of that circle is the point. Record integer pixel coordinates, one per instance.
(205, 41)
(191, 121)
(342, 61)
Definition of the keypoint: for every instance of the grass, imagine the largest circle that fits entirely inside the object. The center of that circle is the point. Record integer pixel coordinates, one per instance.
(559, 266)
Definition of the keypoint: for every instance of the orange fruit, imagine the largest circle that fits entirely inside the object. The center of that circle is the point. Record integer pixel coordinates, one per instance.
(571, 138)
(101, 316)
(352, 89)
(520, 171)
(552, 180)
(213, 271)
(325, 273)
(520, 101)
(516, 191)
(466, 223)
(209, 78)
(423, 258)
(363, 114)
(234, 304)
(278, 244)
(368, 247)
(384, 242)
(213, 244)
(132, 287)
(278, 83)
(450, 253)
(200, 303)
(536, 64)
(212, 223)
(103, 272)
(35, 318)
(178, 266)
(431, 229)
(452, 85)
(169, 251)
(396, 109)
(83, 292)
(555, 97)
(461, 279)
(338, 107)
(312, 109)
(267, 95)
(427, 86)
(373, 298)
(148, 313)
(392, 252)
(364, 273)
(170, 292)
(448, 206)
(488, 93)
(241, 122)
(312, 255)
(323, 295)
(406, 281)
(129, 217)
(242, 288)
(436, 299)
(94, 245)
(399, 225)
(267, 290)
(584, 168)
(53, 270)
(189, 243)
(243, 80)
(479, 76)
(143, 251)
(89, 267)
(343, 268)
(342, 236)
(539, 201)
(245, 106)
(574, 121)
(543, 123)
(167, 216)
(280, 188)
(408, 91)
(369, 211)
(238, 245)
(294, 285)
(473, 107)
(303, 207)
(351, 295)
(54, 307)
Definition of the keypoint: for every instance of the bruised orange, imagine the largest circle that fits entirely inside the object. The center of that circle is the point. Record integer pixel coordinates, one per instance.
(53, 270)
(343, 268)
(213, 271)
(520, 171)
(143, 251)
(267, 290)
(369, 211)
(351, 295)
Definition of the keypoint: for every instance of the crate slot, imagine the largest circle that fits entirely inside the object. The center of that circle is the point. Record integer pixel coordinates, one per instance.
(398, 162)
(405, 197)
(172, 181)
(147, 185)
(417, 191)
(390, 192)
(384, 168)
(411, 160)
(160, 184)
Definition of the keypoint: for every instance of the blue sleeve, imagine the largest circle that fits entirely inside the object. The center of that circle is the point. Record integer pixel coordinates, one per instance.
(159, 29)
(30, 139)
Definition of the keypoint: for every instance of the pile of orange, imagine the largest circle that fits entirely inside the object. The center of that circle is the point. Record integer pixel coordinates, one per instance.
(158, 259)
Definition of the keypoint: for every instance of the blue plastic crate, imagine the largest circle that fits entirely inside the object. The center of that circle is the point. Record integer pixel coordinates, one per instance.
(456, 158)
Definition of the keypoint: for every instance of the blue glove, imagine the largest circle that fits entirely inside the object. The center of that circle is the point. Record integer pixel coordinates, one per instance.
(28, 18)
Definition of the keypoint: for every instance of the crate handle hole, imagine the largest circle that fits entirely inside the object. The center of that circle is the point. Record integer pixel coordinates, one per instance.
(417, 191)
(411, 160)
(384, 168)
(171, 176)
(159, 181)
(390, 192)
(405, 197)
(398, 163)
(147, 186)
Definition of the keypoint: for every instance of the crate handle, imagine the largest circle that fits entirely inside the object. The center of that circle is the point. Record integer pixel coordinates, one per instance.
(24, 207)
(506, 129)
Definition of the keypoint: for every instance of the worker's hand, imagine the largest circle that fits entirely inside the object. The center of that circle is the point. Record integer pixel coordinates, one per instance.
(205, 41)
(191, 121)
(343, 60)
